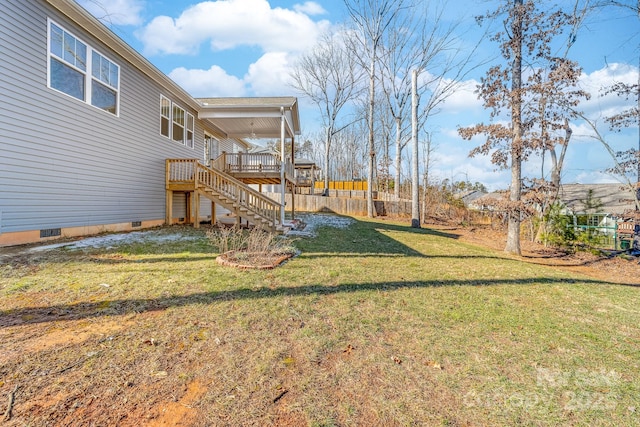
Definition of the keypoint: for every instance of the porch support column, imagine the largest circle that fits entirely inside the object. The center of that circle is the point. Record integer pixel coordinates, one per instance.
(293, 184)
(282, 166)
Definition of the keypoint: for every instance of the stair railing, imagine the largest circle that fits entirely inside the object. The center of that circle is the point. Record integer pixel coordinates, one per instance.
(205, 178)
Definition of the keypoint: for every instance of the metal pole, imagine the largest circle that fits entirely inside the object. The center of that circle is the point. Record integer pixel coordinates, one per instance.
(415, 177)
(282, 163)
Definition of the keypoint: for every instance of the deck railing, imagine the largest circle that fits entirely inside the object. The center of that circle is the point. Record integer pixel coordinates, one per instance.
(252, 163)
(190, 171)
(303, 181)
(180, 171)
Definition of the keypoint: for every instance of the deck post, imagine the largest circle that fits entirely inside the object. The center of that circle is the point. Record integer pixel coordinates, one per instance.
(313, 180)
(282, 165)
(187, 216)
(213, 213)
(169, 208)
(293, 201)
(196, 209)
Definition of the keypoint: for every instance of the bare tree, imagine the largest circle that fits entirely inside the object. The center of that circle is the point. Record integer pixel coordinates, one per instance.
(402, 53)
(329, 76)
(425, 42)
(372, 20)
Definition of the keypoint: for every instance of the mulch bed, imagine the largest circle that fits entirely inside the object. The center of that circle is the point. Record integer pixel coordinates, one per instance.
(245, 260)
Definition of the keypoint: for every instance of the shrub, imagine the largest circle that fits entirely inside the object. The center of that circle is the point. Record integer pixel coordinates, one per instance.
(250, 247)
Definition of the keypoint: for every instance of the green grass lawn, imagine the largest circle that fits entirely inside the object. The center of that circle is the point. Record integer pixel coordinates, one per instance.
(377, 324)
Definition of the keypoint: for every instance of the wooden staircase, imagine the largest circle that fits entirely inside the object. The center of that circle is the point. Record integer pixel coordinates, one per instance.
(189, 175)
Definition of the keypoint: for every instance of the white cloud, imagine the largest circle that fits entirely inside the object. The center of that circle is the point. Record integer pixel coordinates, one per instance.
(269, 75)
(474, 171)
(582, 132)
(227, 24)
(309, 8)
(214, 82)
(115, 12)
(595, 177)
(463, 99)
(606, 105)
(451, 161)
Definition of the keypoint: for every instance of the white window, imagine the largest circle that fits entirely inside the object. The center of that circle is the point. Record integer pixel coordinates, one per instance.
(165, 116)
(69, 62)
(190, 128)
(177, 131)
(175, 123)
(104, 84)
(211, 148)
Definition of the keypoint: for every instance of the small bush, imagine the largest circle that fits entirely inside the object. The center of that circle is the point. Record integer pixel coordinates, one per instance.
(227, 239)
(250, 247)
(558, 229)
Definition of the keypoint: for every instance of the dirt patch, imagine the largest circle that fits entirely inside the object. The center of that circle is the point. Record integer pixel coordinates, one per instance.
(55, 335)
(615, 269)
(182, 412)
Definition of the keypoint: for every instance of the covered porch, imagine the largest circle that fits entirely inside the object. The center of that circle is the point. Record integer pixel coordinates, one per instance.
(255, 119)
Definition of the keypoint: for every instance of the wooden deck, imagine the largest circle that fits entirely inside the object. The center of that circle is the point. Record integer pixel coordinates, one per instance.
(254, 168)
(192, 177)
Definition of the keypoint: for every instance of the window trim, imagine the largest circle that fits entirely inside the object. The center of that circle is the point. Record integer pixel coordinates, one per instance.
(87, 73)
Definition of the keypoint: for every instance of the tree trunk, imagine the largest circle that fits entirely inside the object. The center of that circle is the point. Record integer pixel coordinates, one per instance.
(371, 145)
(327, 146)
(513, 230)
(396, 187)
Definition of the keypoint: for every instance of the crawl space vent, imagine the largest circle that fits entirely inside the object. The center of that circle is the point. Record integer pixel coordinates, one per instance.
(50, 232)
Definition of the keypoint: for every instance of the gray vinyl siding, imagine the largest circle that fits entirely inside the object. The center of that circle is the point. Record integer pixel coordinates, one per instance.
(63, 162)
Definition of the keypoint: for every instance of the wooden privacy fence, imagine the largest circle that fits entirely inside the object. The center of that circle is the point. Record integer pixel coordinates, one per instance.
(346, 206)
(344, 185)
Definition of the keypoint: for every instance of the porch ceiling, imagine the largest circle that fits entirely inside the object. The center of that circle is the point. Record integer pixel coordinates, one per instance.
(251, 117)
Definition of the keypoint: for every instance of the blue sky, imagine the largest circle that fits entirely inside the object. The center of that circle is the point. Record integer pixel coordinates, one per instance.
(246, 48)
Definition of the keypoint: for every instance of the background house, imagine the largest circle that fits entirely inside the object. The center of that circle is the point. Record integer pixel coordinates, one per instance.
(612, 199)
